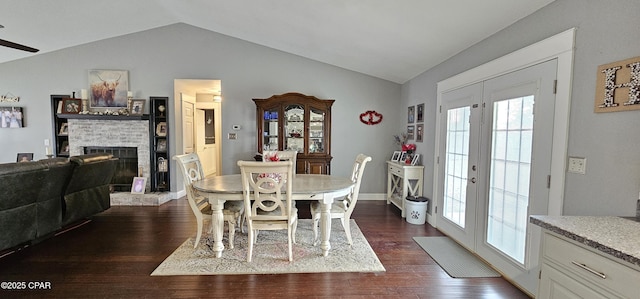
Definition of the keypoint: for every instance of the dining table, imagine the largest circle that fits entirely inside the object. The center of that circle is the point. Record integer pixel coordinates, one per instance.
(323, 188)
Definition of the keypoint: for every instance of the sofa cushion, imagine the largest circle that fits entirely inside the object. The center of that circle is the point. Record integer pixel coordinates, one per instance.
(88, 191)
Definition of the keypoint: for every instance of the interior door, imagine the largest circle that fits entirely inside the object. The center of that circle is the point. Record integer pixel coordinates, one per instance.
(188, 111)
(205, 144)
(496, 141)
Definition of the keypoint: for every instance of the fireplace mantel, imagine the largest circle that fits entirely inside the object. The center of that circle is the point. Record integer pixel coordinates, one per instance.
(104, 117)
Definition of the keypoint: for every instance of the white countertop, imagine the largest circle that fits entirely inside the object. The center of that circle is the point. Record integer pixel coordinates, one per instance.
(614, 236)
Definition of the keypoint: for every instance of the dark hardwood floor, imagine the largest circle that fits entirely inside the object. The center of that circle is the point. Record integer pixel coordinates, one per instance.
(113, 255)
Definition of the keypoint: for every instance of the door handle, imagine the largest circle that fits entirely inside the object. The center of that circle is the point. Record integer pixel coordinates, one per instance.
(473, 180)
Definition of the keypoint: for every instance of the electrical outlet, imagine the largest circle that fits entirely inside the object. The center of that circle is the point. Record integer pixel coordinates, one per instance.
(577, 165)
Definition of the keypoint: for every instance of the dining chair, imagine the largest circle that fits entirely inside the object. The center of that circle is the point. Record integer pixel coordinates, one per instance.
(342, 209)
(281, 156)
(268, 202)
(232, 211)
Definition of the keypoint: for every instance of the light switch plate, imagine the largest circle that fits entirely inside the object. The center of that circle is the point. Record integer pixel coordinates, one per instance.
(577, 165)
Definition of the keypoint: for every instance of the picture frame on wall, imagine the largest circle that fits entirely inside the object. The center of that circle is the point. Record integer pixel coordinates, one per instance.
(137, 107)
(420, 113)
(410, 132)
(411, 114)
(419, 132)
(108, 88)
(11, 117)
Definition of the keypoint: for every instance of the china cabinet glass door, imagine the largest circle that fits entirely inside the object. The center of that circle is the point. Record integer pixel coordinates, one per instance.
(270, 125)
(316, 130)
(294, 128)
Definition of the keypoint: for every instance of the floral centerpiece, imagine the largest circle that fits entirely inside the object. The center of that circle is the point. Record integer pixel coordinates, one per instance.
(409, 148)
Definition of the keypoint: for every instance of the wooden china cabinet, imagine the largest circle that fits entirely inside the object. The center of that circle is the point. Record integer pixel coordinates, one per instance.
(294, 121)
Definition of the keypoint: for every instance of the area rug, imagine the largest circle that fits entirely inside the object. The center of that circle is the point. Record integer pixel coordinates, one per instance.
(270, 254)
(454, 259)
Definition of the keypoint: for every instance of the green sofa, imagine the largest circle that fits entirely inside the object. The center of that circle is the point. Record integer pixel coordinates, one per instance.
(39, 198)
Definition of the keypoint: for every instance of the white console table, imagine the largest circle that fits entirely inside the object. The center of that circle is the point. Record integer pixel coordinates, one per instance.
(403, 180)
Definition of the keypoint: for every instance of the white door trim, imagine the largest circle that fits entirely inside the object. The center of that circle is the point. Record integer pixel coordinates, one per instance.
(560, 47)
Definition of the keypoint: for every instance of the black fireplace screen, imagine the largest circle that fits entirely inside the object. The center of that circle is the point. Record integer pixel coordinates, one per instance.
(126, 168)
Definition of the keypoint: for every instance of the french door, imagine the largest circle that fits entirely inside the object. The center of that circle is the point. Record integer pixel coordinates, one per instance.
(494, 167)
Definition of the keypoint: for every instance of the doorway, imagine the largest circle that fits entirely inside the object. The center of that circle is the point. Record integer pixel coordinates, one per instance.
(199, 119)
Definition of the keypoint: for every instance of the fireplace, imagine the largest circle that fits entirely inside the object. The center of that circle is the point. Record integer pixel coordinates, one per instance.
(132, 135)
(126, 168)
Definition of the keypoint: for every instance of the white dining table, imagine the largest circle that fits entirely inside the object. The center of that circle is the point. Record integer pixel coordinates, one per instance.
(323, 188)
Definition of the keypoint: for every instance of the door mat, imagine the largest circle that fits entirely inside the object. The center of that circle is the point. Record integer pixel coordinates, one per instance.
(454, 259)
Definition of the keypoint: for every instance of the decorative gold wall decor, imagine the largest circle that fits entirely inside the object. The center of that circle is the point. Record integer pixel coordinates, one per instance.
(618, 86)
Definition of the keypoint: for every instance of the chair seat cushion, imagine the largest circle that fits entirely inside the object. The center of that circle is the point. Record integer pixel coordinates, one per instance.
(230, 208)
(336, 207)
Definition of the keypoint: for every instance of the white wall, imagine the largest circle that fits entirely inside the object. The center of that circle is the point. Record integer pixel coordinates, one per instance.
(156, 57)
(607, 31)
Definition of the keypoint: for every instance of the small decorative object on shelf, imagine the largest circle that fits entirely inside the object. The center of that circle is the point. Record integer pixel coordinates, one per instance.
(161, 108)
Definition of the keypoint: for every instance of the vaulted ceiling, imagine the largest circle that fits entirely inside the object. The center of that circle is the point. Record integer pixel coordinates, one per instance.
(392, 40)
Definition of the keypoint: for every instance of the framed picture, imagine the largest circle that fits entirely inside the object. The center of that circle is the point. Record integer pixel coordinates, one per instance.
(64, 148)
(11, 117)
(71, 106)
(420, 113)
(415, 160)
(137, 107)
(64, 129)
(410, 132)
(139, 185)
(161, 146)
(108, 88)
(403, 156)
(419, 132)
(24, 157)
(396, 156)
(161, 129)
(411, 114)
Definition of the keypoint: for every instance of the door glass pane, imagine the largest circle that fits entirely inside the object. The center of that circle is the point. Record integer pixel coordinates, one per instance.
(316, 131)
(294, 128)
(270, 127)
(456, 163)
(509, 178)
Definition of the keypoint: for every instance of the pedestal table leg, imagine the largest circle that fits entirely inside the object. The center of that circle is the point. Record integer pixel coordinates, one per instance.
(217, 223)
(325, 225)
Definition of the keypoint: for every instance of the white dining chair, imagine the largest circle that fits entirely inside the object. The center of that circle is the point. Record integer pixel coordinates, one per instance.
(192, 172)
(342, 209)
(268, 203)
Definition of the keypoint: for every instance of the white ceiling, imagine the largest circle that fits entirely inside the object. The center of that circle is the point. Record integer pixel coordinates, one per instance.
(392, 40)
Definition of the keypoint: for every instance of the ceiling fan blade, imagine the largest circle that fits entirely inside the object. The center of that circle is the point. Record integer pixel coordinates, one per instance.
(17, 46)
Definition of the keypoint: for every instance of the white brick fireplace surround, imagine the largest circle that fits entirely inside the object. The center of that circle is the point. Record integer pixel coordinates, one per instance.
(117, 133)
